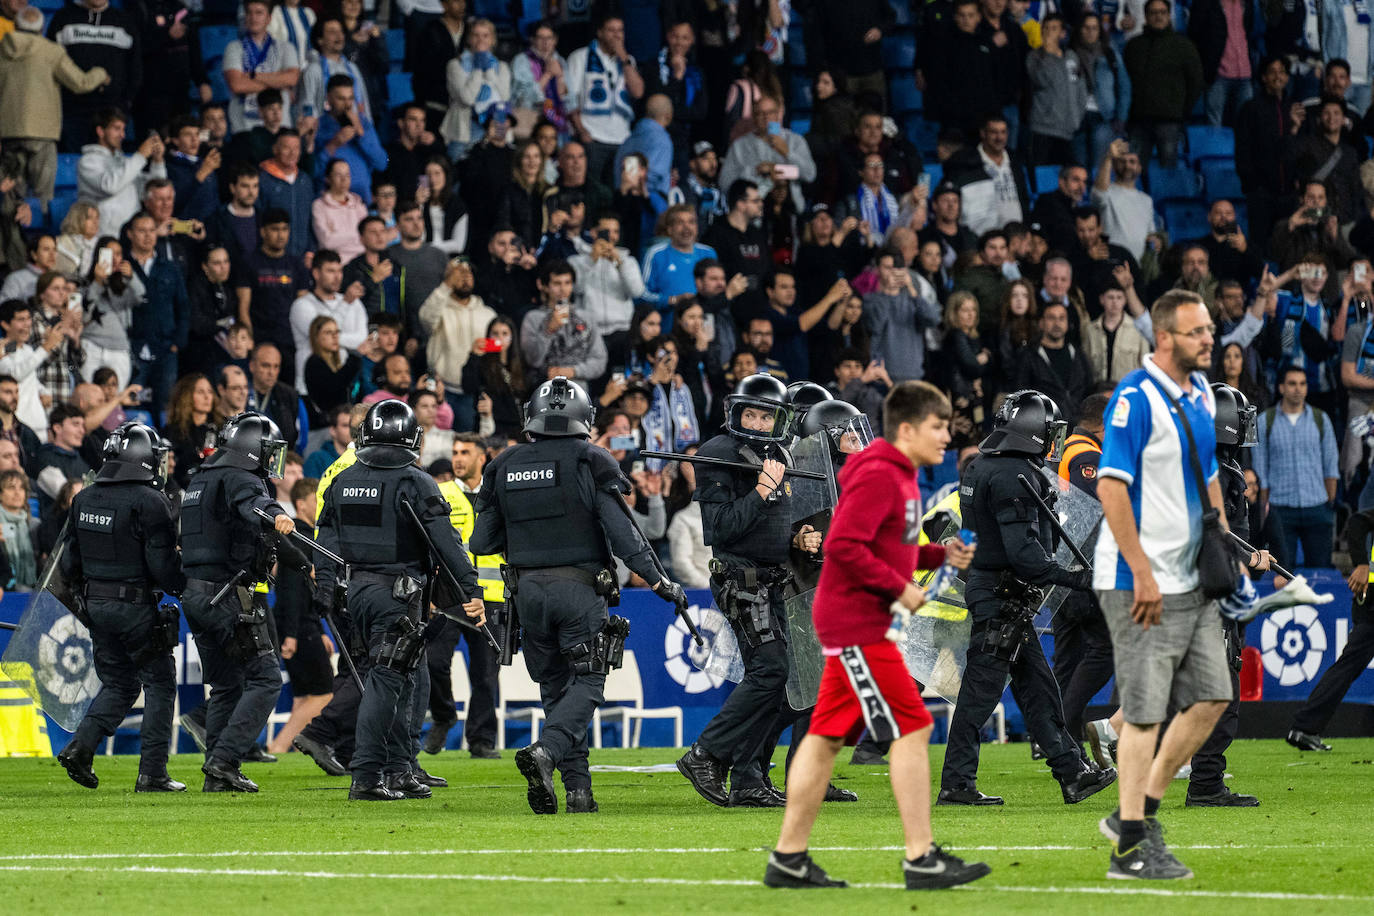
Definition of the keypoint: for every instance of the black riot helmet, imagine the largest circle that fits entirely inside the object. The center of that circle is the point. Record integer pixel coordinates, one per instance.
(844, 424)
(764, 393)
(801, 397)
(1235, 421)
(134, 452)
(390, 436)
(250, 441)
(1028, 423)
(559, 408)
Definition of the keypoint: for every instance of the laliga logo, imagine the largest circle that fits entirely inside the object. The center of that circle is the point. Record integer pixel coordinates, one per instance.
(1293, 641)
(64, 662)
(683, 658)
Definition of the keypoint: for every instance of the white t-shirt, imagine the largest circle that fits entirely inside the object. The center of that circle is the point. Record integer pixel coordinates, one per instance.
(1356, 44)
(1128, 216)
(273, 56)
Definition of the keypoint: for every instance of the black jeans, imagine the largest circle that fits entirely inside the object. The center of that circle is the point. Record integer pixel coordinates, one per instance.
(1082, 656)
(120, 634)
(1326, 697)
(385, 743)
(243, 690)
(558, 613)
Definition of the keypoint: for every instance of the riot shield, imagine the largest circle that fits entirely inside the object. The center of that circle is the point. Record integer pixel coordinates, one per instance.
(804, 652)
(725, 660)
(1081, 516)
(935, 641)
(807, 498)
(812, 502)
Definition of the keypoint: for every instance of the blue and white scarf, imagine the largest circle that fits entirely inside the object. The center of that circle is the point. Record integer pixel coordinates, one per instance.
(606, 93)
(878, 210)
(670, 423)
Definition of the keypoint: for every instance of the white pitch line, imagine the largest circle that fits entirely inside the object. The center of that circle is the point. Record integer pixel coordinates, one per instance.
(669, 850)
(673, 882)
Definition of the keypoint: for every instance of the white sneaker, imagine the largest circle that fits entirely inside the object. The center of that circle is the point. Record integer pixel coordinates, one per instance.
(1184, 772)
(1296, 592)
(1101, 735)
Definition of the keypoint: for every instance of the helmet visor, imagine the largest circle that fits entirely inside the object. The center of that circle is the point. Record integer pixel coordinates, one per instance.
(853, 437)
(274, 458)
(163, 457)
(760, 420)
(1249, 436)
(1056, 431)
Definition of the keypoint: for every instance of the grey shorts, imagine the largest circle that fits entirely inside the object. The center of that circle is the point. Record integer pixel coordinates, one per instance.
(1177, 662)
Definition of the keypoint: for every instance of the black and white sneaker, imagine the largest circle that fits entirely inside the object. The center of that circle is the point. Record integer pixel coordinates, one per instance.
(1148, 860)
(798, 874)
(937, 869)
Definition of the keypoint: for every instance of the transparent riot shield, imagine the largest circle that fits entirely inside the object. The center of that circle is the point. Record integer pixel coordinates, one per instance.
(811, 502)
(725, 660)
(935, 641)
(1081, 516)
(811, 497)
(804, 652)
(51, 652)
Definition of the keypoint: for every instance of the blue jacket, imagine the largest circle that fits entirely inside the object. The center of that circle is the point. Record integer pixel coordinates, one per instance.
(1335, 43)
(364, 155)
(652, 140)
(1112, 87)
(162, 319)
(194, 199)
(295, 198)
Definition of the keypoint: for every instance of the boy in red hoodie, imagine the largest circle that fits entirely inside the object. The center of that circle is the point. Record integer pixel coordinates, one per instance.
(871, 554)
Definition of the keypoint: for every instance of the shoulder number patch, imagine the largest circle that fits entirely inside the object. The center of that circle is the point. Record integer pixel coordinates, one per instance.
(1121, 414)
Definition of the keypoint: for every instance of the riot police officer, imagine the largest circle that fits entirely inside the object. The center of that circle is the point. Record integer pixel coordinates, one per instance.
(228, 551)
(1235, 429)
(367, 519)
(747, 523)
(801, 396)
(1005, 587)
(119, 545)
(554, 508)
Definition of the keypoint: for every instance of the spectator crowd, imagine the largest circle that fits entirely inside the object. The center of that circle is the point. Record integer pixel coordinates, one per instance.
(300, 207)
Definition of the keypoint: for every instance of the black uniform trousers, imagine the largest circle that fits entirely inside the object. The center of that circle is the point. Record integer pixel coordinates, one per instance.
(1083, 661)
(558, 612)
(419, 703)
(385, 713)
(120, 634)
(1032, 686)
(243, 691)
(337, 723)
(484, 671)
(1209, 763)
(1326, 697)
(745, 732)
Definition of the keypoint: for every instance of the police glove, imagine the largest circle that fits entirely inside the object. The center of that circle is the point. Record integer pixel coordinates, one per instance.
(322, 601)
(1079, 579)
(671, 592)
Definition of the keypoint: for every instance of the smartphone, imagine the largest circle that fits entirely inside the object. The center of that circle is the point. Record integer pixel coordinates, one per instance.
(603, 235)
(637, 467)
(1360, 271)
(774, 129)
(204, 135)
(490, 345)
(630, 168)
(183, 226)
(74, 301)
(924, 181)
(623, 443)
(786, 172)
(431, 385)
(105, 259)
(1305, 271)
(424, 182)
(617, 377)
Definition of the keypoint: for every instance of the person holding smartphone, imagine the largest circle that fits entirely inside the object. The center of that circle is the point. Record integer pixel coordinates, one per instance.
(757, 154)
(557, 340)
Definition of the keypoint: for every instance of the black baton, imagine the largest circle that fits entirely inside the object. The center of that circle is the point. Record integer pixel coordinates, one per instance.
(729, 465)
(1272, 565)
(1054, 522)
(679, 609)
(453, 579)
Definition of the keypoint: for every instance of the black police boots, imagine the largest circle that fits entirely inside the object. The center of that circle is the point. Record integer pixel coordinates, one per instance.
(834, 793)
(580, 801)
(225, 777)
(438, 736)
(77, 762)
(375, 791)
(756, 797)
(406, 784)
(322, 754)
(148, 782)
(429, 779)
(1086, 784)
(705, 773)
(966, 797)
(536, 766)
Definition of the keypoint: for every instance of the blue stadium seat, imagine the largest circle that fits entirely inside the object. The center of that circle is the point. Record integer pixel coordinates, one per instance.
(396, 45)
(902, 95)
(1046, 178)
(1185, 219)
(48, 6)
(800, 125)
(66, 170)
(903, 10)
(62, 200)
(801, 93)
(923, 135)
(1205, 142)
(899, 52)
(1178, 183)
(1219, 179)
(796, 48)
(936, 171)
(398, 89)
(214, 38)
(531, 11)
(219, 87)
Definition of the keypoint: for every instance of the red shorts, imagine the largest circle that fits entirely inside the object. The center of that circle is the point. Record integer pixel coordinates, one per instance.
(872, 684)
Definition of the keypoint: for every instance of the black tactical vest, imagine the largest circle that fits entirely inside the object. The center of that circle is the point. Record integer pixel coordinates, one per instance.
(989, 485)
(373, 529)
(541, 489)
(212, 535)
(103, 516)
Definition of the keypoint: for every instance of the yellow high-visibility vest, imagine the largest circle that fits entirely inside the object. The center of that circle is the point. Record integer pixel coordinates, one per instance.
(464, 519)
(932, 607)
(344, 461)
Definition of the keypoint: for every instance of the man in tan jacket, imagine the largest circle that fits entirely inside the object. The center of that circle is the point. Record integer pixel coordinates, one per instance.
(456, 319)
(33, 71)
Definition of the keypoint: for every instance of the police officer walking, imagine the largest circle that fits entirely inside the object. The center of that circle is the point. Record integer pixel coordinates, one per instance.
(228, 552)
(554, 508)
(120, 545)
(747, 523)
(1005, 587)
(366, 519)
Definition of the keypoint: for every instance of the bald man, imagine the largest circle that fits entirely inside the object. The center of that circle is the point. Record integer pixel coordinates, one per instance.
(650, 139)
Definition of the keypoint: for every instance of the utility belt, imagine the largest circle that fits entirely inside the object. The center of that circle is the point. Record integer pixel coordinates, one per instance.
(251, 637)
(746, 600)
(602, 653)
(602, 582)
(118, 591)
(401, 647)
(1012, 629)
(402, 587)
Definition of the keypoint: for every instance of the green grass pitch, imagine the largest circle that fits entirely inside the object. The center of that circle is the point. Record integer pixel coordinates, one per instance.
(655, 847)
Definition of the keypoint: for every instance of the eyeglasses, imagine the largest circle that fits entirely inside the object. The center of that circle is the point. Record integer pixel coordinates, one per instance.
(1206, 330)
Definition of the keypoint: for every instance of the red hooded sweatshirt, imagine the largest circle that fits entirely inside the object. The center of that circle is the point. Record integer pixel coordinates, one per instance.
(870, 548)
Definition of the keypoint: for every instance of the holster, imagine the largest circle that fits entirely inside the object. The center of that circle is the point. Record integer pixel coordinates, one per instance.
(745, 600)
(607, 587)
(164, 636)
(401, 647)
(1235, 643)
(252, 638)
(78, 608)
(1011, 630)
(604, 651)
(506, 622)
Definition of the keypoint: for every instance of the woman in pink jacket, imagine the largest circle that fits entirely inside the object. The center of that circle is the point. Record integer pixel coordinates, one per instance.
(337, 212)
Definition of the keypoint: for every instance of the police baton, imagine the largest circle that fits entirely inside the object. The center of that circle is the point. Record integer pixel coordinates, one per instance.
(679, 608)
(452, 579)
(1054, 522)
(1240, 542)
(312, 544)
(706, 461)
(8, 626)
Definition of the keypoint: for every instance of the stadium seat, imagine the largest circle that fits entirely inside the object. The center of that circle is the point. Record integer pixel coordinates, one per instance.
(1219, 179)
(796, 47)
(936, 171)
(1185, 219)
(62, 200)
(624, 685)
(219, 86)
(1178, 183)
(899, 52)
(518, 687)
(214, 39)
(801, 93)
(922, 134)
(396, 45)
(1205, 142)
(66, 170)
(800, 125)
(398, 90)
(902, 95)
(1046, 178)
(902, 8)
(48, 6)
